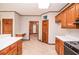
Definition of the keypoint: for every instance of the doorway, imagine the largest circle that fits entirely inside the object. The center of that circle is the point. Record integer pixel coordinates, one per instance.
(33, 29)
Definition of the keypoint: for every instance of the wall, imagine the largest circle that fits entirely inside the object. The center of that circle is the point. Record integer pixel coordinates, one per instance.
(7, 15)
(68, 32)
(17, 23)
(25, 23)
(53, 27)
(56, 30)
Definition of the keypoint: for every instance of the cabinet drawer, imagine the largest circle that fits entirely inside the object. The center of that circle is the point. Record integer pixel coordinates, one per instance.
(4, 51)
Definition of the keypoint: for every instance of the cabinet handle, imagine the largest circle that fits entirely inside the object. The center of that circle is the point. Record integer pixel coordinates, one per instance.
(69, 24)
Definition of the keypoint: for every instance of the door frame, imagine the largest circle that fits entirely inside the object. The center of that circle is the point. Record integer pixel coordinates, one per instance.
(38, 29)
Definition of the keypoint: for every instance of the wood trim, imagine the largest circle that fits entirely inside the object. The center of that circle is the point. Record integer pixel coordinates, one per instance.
(49, 12)
(65, 7)
(11, 11)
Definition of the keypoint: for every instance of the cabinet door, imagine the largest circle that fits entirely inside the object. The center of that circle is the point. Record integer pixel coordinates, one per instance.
(77, 10)
(71, 16)
(4, 51)
(59, 46)
(12, 52)
(58, 18)
(19, 47)
(64, 19)
(7, 26)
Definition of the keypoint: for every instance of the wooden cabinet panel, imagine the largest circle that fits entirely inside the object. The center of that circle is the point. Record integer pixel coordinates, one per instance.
(77, 10)
(58, 18)
(59, 46)
(71, 16)
(14, 49)
(68, 16)
(12, 52)
(13, 45)
(64, 19)
(4, 51)
(7, 26)
(19, 47)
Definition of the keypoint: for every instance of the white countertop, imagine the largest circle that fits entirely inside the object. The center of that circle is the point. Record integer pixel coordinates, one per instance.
(6, 41)
(68, 38)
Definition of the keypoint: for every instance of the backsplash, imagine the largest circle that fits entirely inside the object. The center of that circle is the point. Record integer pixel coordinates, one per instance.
(71, 32)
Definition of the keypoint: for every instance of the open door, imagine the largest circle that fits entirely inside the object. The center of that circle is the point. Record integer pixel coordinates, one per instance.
(33, 28)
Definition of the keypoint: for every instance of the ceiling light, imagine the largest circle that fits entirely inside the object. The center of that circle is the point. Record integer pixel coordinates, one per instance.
(43, 5)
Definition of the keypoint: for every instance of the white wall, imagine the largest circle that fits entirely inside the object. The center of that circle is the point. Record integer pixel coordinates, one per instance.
(25, 23)
(17, 24)
(53, 27)
(69, 32)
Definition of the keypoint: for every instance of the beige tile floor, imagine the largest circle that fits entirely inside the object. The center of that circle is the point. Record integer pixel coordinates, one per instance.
(35, 47)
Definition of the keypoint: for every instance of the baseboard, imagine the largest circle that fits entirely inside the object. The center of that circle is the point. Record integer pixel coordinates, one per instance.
(25, 39)
(39, 40)
(51, 43)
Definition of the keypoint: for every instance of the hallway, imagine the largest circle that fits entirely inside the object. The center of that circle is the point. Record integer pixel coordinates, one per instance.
(35, 47)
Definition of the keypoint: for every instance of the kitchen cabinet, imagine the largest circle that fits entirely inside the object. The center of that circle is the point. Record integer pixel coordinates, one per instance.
(77, 10)
(59, 46)
(14, 49)
(12, 52)
(19, 47)
(64, 19)
(69, 15)
(58, 18)
(4, 51)
(7, 26)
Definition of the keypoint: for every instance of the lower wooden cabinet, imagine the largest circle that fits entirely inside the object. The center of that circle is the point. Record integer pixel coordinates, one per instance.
(19, 49)
(14, 49)
(12, 52)
(59, 46)
(4, 51)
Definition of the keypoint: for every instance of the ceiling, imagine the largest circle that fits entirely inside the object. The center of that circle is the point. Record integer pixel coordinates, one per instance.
(30, 8)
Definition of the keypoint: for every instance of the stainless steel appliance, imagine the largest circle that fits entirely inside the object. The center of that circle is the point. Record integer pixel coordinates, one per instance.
(71, 48)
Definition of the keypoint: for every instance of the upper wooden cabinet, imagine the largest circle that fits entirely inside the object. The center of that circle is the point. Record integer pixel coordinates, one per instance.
(77, 10)
(68, 16)
(71, 16)
(58, 18)
(7, 26)
(63, 20)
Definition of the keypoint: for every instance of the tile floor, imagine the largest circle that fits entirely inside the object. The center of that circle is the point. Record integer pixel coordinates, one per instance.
(35, 47)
